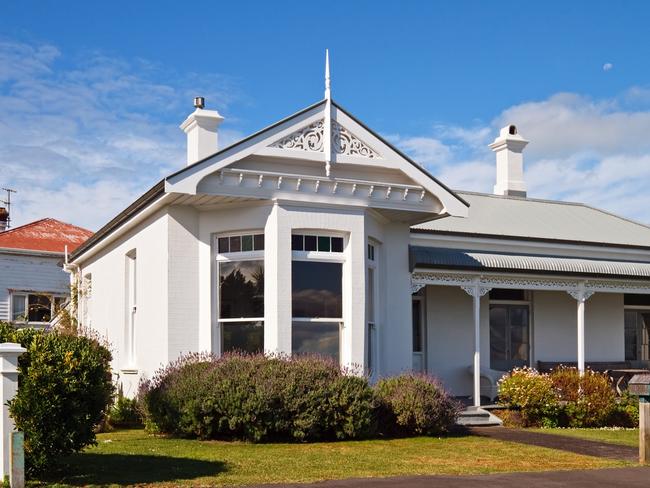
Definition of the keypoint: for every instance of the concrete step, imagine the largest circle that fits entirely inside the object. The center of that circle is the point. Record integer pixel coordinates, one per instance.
(475, 417)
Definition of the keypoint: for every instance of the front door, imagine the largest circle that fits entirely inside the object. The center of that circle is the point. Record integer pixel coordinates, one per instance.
(419, 340)
(509, 336)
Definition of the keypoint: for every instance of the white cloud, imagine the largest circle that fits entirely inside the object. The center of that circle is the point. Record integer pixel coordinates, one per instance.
(80, 140)
(581, 149)
(607, 66)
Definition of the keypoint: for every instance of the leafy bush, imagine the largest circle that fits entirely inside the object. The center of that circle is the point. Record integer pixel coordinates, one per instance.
(532, 394)
(414, 404)
(64, 391)
(257, 398)
(124, 413)
(585, 400)
(625, 412)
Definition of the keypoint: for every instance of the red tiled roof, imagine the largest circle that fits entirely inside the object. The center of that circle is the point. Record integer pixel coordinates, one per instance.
(44, 235)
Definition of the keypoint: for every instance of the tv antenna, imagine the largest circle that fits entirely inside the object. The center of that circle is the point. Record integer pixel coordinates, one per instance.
(7, 202)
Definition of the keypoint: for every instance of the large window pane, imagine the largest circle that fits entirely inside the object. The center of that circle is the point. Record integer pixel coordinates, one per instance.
(316, 338)
(241, 289)
(509, 336)
(498, 346)
(40, 308)
(417, 326)
(242, 336)
(317, 289)
(18, 307)
(644, 335)
(631, 344)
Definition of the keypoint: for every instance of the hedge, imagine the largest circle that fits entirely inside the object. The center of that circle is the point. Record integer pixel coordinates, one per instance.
(306, 398)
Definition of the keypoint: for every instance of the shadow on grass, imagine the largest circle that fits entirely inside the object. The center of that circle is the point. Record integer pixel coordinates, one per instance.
(123, 469)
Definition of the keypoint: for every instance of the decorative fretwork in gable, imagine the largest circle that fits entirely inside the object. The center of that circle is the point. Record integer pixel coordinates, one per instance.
(309, 138)
(344, 142)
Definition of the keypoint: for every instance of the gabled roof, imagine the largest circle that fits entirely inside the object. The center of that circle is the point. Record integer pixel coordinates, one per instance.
(160, 188)
(496, 216)
(49, 235)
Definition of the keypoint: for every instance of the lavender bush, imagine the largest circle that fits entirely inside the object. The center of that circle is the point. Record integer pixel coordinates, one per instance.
(414, 404)
(257, 398)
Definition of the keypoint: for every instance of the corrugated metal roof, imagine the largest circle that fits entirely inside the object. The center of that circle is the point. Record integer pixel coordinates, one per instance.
(499, 216)
(44, 235)
(433, 257)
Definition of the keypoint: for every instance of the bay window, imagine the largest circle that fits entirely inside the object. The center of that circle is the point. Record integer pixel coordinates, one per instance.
(240, 270)
(317, 294)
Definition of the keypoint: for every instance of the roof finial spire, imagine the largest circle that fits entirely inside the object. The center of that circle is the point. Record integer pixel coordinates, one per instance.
(328, 92)
(327, 126)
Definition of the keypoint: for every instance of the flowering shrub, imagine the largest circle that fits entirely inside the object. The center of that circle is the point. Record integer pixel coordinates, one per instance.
(532, 394)
(414, 404)
(257, 398)
(565, 398)
(586, 400)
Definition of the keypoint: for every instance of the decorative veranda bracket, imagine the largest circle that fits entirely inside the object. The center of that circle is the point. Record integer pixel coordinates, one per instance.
(475, 290)
(576, 288)
(581, 295)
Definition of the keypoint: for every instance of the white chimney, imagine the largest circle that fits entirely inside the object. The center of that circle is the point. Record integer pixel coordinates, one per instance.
(510, 162)
(201, 129)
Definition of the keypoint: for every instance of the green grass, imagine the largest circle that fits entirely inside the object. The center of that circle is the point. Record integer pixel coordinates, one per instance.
(627, 437)
(133, 457)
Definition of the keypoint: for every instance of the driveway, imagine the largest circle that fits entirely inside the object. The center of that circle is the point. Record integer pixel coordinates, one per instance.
(636, 477)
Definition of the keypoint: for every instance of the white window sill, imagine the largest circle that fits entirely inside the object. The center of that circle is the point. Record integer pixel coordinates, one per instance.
(129, 370)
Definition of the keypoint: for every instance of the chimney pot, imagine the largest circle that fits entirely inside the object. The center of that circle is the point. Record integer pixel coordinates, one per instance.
(509, 148)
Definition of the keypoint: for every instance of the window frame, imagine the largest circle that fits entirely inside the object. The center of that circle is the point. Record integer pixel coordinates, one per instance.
(337, 257)
(52, 296)
(372, 354)
(642, 346)
(229, 257)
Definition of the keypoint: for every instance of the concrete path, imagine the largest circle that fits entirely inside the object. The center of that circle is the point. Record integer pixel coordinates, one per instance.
(597, 478)
(561, 442)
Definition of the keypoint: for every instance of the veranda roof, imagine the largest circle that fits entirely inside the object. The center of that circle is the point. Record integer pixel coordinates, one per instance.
(446, 258)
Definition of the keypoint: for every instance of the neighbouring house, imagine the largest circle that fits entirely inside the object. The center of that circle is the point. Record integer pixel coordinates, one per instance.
(33, 284)
(317, 235)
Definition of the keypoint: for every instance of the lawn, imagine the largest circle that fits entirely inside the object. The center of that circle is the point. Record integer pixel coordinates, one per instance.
(133, 457)
(627, 437)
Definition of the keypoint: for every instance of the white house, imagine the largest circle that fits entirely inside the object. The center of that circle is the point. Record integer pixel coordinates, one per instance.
(316, 235)
(33, 284)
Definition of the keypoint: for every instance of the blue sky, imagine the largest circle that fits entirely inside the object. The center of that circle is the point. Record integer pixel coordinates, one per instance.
(91, 93)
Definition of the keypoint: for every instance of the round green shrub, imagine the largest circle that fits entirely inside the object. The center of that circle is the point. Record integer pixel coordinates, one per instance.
(257, 398)
(532, 394)
(65, 388)
(414, 404)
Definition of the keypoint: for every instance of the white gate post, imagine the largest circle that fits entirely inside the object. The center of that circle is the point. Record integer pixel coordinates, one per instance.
(9, 353)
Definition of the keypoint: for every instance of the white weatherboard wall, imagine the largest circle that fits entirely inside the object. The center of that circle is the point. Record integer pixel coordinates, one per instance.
(108, 269)
(31, 273)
